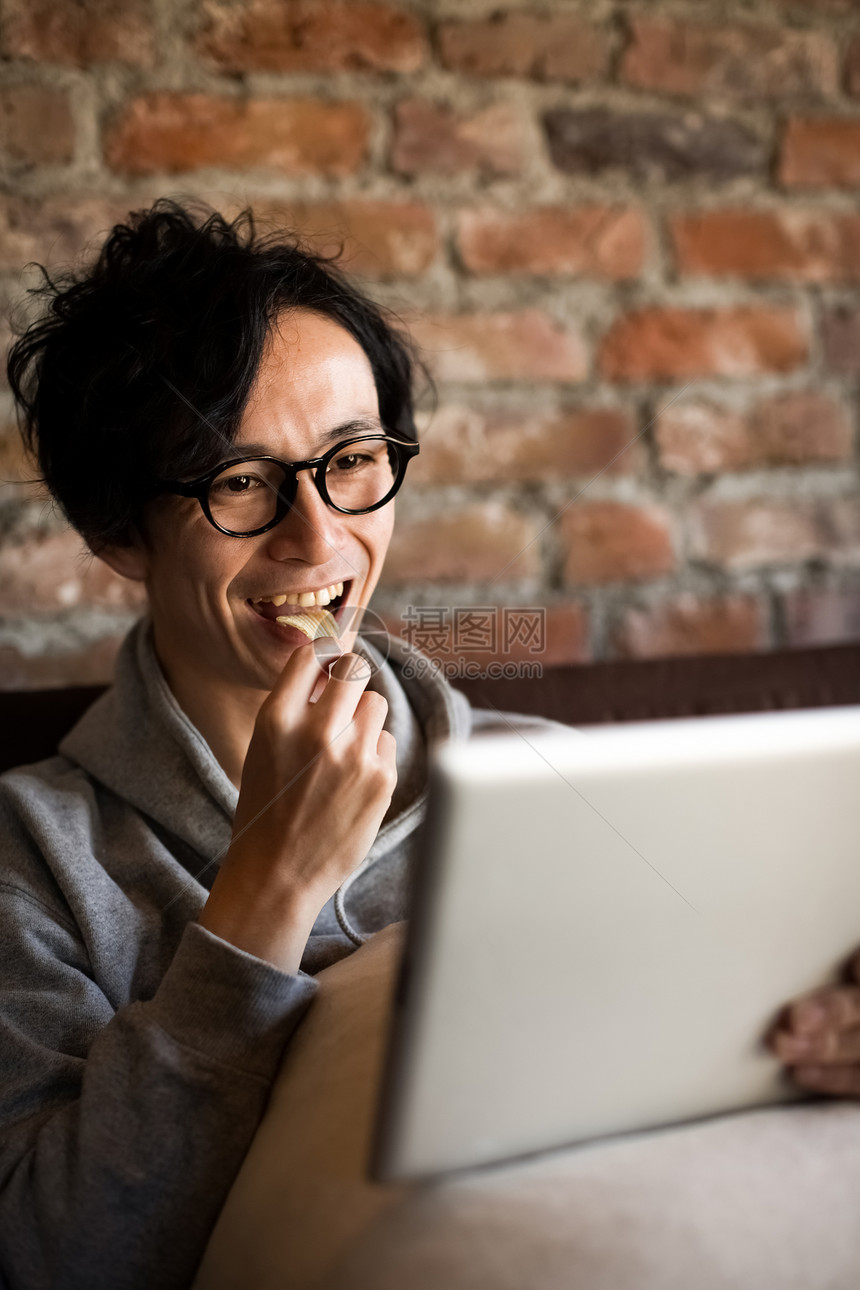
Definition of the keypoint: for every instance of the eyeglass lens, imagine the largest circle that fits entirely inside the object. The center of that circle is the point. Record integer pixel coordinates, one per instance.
(245, 496)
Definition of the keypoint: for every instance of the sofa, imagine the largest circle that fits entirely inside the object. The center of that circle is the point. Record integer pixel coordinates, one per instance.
(764, 1200)
(33, 721)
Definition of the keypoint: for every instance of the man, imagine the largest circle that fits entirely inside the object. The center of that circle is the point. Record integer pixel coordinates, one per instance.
(227, 420)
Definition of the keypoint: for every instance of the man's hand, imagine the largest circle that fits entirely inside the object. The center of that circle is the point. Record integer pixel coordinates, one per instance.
(317, 781)
(818, 1039)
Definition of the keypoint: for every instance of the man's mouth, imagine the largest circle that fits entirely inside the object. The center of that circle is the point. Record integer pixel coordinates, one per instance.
(273, 607)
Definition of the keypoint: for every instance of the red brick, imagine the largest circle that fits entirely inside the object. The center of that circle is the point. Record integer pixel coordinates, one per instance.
(53, 230)
(601, 241)
(35, 125)
(469, 545)
(68, 31)
(646, 145)
(379, 239)
(822, 616)
(612, 541)
(177, 132)
(761, 531)
(436, 139)
(852, 67)
(466, 445)
(698, 438)
(799, 246)
(743, 62)
(443, 635)
(91, 665)
(552, 47)
(689, 624)
(309, 36)
(821, 153)
(840, 334)
(656, 344)
(525, 346)
(55, 572)
(790, 429)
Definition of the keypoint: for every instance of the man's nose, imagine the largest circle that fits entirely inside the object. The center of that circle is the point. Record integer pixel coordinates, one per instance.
(310, 531)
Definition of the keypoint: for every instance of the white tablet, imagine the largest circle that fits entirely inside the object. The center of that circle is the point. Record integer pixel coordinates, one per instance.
(606, 923)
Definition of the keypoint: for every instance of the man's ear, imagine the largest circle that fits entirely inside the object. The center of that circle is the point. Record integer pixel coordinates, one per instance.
(128, 561)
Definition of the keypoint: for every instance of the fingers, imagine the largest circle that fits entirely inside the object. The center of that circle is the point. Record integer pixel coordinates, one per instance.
(351, 668)
(327, 651)
(826, 1046)
(316, 783)
(348, 678)
(375, 746)
(835, 1081)
(291, 694)
(820, 1042)
(385, 756)
(838, 1006)
(293, 688)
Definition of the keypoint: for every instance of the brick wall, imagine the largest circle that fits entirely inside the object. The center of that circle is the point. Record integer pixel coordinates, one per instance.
(625, 232)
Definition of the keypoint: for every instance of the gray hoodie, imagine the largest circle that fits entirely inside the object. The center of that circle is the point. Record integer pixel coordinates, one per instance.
(136, 1048)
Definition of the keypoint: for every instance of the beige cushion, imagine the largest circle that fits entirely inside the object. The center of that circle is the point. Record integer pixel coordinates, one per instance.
(746, 1202)
(300, 1196)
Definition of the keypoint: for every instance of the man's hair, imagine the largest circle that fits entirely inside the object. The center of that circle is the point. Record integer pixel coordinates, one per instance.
(141, 366)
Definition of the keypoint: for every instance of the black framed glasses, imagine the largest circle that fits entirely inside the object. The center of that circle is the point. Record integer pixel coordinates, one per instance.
(250, 495)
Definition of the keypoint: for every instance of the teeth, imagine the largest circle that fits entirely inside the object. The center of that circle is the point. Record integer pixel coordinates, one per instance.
(305, 599)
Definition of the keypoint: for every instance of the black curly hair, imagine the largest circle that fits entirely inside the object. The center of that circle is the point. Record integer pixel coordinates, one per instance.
(141, 366)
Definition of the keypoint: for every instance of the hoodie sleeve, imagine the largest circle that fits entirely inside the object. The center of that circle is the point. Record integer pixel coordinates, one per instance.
(121, 1131)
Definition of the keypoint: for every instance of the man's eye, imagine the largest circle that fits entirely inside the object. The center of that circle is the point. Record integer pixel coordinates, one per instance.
(350, 461)
(238, 484)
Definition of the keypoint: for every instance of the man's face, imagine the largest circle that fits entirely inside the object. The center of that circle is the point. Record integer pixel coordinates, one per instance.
(210, 594)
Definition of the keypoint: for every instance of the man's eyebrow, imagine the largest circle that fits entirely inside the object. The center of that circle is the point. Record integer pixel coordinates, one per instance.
(361, 425)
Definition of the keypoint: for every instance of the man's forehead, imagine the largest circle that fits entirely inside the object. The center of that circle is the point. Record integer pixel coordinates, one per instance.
(313, 378)
(323, 439)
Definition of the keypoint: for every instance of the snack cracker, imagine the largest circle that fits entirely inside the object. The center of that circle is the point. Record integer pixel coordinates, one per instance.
(315, 622)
